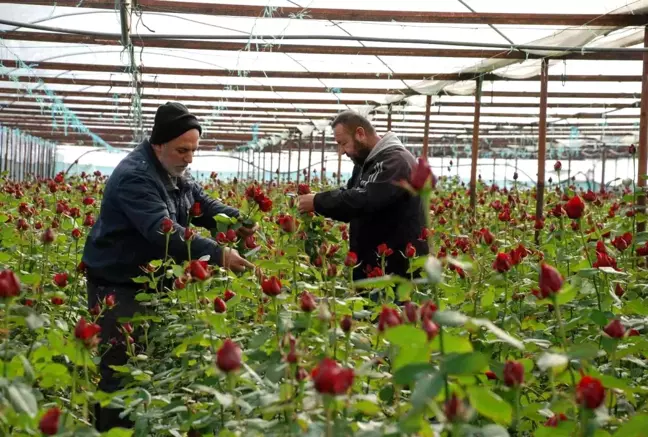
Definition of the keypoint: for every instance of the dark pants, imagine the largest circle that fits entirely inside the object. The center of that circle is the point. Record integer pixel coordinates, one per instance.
(113, 346)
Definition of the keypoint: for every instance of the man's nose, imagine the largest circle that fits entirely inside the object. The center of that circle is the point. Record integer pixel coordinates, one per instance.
(189, 158)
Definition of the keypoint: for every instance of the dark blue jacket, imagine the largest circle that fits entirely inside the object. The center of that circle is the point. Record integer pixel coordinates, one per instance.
(137, 197)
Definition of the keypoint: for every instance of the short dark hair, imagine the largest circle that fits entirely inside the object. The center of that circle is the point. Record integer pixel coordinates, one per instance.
(351, 121)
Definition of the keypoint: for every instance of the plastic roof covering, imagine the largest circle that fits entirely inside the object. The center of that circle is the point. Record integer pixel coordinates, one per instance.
(334, 89)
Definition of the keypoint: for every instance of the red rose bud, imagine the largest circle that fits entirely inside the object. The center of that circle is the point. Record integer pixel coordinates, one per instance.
(347, 322)
(9, 284)
(411, 311)
(61, 279)
(491, 375)
(553, 421)
(618, 290)
(513, 373)
(228, 295)
(503, 262)
(49, 423)
(221, 238)
(271, 287)
(410, 250)
(307, 302)
(250, 242)
(189, 233)
(331, 271)
(110, 301)
(303, 189)
(351, 259)
(615, 329)
(199, 270)
(557, 165)
(428, 310)
(167, 225)
(620, 243)
(87, 332)
(265, 204)
(590, 392)
(430, 328)
(180, 283)
(633, 332)
(196, 210)
(231, 235)
(219, 305)
(550, 280)
(228, 357)
(56, 300)
(88, 201)
(420, 174)
(330, 378)
(384, 250)
(574, 208)
(539, 224)
(76, 233)
(388, 318)
(632, 149)
(48, 236)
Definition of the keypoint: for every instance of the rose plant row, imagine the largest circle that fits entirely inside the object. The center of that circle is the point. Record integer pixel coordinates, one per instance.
(515, 325)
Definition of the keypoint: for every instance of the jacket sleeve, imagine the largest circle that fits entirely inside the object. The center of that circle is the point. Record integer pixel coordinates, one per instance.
(210, 208)
(145, 209)
(380, 191)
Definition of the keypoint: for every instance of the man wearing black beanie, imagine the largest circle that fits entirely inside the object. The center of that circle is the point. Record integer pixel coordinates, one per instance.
(148, 198)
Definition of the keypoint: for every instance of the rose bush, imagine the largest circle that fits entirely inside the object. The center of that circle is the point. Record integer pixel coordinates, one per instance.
(498, 336)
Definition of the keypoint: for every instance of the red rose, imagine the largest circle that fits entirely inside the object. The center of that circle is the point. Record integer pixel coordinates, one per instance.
(550, 280)
(228, 357)
(228, 295)
(265, 204)
(590, 392)
(410, 250)
(384, 250)
(199, 270)
(76, 233)
(351, 259)
(61, 279)
(9, 284)
(330, 378)
(87, 332)
(615, 329)
(347, 322)
(307, 302)
(388, 318)
(553, 421)
(513, 373)
(221, 238)
(411, 311)
(231, 235)
(557, 165)
(219, 305)
(303, 189)
(110, 301)
(88, 201)
(48, 236)
(271, 287)
(167, 225)
(574, 208)
(49, 423)
(430, 328)
(503, 262)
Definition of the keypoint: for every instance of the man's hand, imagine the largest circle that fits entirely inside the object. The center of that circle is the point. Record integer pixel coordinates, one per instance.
(235, 262)
(306, 203)
(244, 232)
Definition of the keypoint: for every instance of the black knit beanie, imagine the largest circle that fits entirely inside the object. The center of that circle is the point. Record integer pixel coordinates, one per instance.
(172, 120)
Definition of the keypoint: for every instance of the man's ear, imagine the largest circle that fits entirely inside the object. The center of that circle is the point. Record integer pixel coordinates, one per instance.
(360, 133)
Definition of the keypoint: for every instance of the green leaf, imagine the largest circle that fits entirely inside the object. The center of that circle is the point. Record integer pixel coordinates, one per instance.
(425, 390)
(584, 351)
(566, 296)
(465, 364)
(410, 373)
(222, 218)
(450, 318)
(404, 290)
(599, 318)
(22, 399)
(141, 279)
(499, 333)
(118, 432)
(367, 408)
(635, 427)
(379, 282)
(490, 405)
(34, 321)
(406, 336)
(587, 273)
(611, 271)
(143, 297)
(452, 344)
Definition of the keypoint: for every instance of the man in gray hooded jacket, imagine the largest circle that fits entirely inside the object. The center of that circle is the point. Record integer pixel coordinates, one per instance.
(379, 210)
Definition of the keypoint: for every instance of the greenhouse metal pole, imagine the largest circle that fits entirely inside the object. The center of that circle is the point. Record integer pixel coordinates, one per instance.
(426, 131)
(603, 156)
(475, 147)
(643, 137)
(288, 143)
(299, 146)
(265, 156)
(322, 167)
(310, 155)
(279, 165)
(272, 152)
(542, 142)
(389, 118)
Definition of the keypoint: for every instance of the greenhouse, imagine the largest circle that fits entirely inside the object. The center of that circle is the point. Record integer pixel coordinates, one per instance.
(288, 280)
